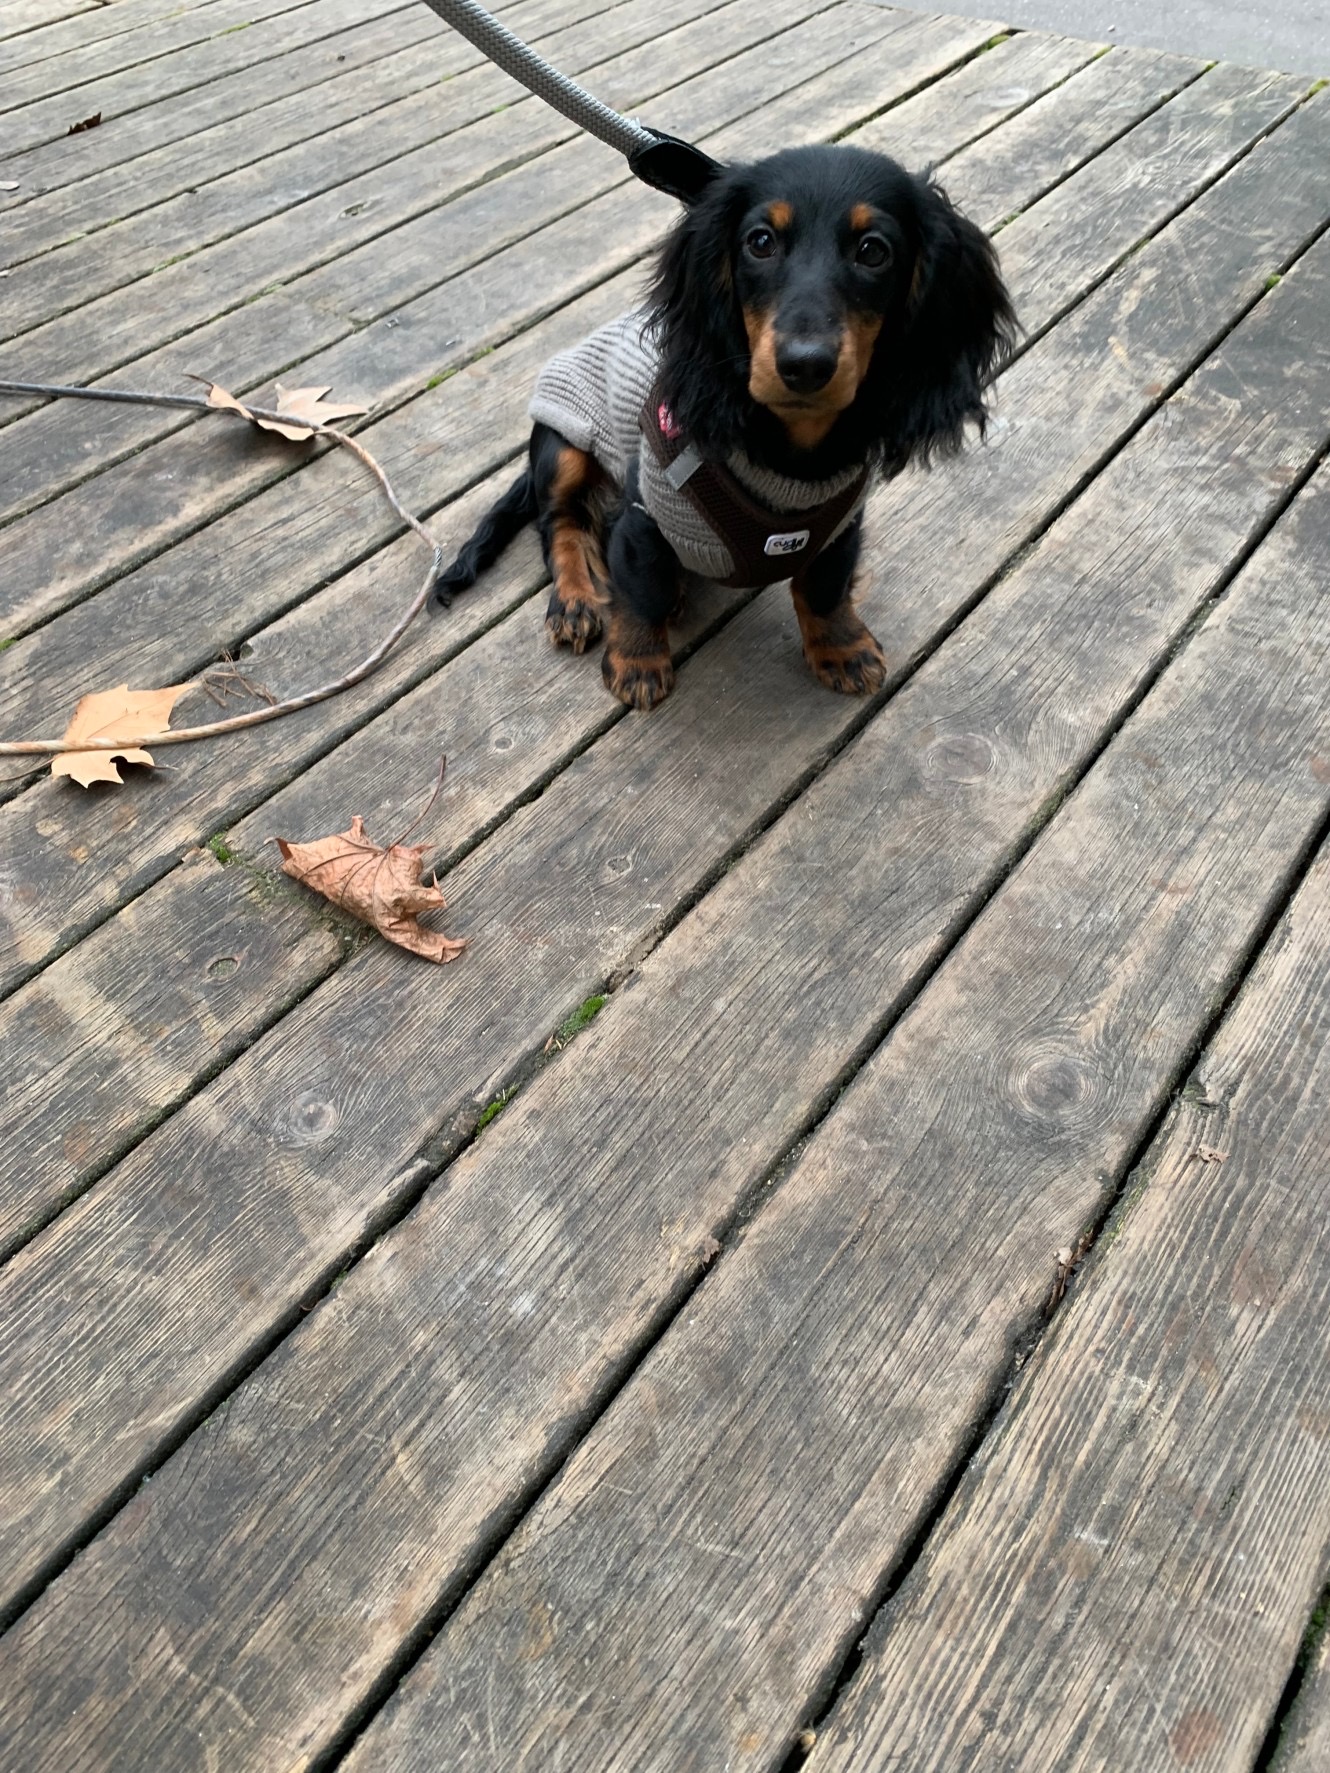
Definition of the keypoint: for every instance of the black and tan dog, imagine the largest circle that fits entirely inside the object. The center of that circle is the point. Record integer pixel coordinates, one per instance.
(816, 318)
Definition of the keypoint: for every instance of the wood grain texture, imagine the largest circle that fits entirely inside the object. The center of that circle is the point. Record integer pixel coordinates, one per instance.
(1305, 1745)
(41, 102)
(351, 75)
(1139, 1543)
(1068, 126)
(458, 251)
(112, 1035)
(377, 1521)
(368, 168)
(188, 116)
(712, 1550)
(981, 95)
(53, 27)
(1138, 80)
(1177, 149)
(28, 17)
(98, 54)
(1034, 472)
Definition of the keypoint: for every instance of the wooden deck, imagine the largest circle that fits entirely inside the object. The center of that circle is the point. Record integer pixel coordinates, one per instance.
(729, 1400)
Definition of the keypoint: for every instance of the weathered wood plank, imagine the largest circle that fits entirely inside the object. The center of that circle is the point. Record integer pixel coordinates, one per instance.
(388, 357)
(355, 31)
(40, 102)
(1305, 1748)
(494, 759)
(706, 1561)
(66, 29)
(352, 75)
(98, 1048)
(1208, 126)
(567, 892)
(1062, 420)
(338, 163)
(987, 91)
(1138, 1545)
(1070, 125)
(40, 1166)
(22, 17)
(386, 1492)
(295, 315)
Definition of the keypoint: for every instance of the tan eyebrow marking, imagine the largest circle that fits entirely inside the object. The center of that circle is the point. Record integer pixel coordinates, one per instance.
(780, 215)
(861, 218)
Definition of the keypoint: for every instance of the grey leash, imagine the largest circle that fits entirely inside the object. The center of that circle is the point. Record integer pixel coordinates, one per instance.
(656, 158)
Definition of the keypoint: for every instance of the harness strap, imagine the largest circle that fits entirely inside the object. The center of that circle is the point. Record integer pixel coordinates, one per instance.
(762, 545)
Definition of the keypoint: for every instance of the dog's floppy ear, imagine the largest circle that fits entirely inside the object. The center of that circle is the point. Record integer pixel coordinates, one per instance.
(696, 318)
(959, 326)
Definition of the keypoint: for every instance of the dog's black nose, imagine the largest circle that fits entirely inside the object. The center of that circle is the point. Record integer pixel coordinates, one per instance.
(805, 365)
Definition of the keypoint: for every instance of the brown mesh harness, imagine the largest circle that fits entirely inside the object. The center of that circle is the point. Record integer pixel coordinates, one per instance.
(761, 543)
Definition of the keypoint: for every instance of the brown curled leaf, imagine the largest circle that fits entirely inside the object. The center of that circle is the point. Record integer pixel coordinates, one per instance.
(305, 404)
(121, 713)
(380, 886)
(87, 123)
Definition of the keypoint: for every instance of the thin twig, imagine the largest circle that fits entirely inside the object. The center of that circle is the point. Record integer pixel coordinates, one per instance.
(183, 735)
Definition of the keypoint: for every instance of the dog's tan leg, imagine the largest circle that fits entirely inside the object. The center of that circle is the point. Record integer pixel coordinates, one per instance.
(578, 601)
(839, 647)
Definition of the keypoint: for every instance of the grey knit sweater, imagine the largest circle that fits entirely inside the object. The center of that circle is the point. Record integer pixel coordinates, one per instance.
(593, 395)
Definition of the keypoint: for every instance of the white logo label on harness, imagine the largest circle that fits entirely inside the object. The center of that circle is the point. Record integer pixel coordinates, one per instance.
(787, 544)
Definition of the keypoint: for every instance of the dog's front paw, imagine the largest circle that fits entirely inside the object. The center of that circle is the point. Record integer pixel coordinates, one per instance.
(637, 666)
(842, 651)
(855, 670)
(574, 622)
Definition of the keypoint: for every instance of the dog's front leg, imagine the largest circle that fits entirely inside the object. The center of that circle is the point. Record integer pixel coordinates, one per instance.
(837, 644)
(644, 589)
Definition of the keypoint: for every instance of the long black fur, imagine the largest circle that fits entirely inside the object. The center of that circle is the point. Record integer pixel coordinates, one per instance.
(946, 323)
(504, 520)
(940, 342)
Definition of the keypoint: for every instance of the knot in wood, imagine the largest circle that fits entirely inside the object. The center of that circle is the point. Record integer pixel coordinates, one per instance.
(307, 1119)
(1052, 1083)
(959, 757)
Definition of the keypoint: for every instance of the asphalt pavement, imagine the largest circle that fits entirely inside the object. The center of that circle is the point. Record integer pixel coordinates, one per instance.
(1292, 35)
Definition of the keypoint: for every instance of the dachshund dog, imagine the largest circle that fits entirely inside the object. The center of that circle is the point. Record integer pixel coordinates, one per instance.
(815, 319)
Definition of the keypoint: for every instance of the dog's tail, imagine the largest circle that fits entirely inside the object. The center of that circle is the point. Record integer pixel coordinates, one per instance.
(496, 529)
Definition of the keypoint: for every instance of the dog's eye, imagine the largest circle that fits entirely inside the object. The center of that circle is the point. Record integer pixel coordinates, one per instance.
(761, 243)
(873, 252)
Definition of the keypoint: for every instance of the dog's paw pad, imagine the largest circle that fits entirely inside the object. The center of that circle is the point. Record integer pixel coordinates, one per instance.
(575, 624)
(639, 680)
(856, 669)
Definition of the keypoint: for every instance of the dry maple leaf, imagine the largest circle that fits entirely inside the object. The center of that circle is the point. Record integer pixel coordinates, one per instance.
(301, 403)
(379, 886)
(123, 714)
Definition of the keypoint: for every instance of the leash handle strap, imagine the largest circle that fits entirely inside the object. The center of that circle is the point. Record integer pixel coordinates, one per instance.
(658, 159)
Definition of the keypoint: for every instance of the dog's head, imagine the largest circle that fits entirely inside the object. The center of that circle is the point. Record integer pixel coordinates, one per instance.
(825, 306)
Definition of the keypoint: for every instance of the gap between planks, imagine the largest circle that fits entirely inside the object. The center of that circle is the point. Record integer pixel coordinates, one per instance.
(635, 731)
(459, 1235)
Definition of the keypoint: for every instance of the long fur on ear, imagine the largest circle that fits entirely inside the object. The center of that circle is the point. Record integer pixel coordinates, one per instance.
(695, 314)
(960, 325)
